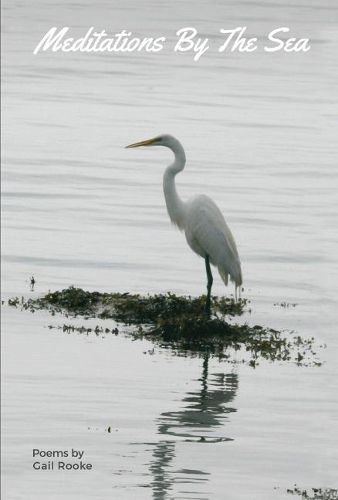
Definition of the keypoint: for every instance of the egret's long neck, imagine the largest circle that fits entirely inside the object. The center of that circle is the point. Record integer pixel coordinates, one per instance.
(175, 206)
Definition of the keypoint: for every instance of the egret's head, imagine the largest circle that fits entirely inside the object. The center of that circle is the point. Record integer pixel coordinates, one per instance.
(168, 141)
(160, 140)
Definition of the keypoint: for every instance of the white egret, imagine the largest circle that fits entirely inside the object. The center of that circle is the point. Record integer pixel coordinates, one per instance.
(205, 229)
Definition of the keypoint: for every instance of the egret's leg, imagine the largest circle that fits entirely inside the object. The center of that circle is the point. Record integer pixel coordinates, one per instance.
(209, 284)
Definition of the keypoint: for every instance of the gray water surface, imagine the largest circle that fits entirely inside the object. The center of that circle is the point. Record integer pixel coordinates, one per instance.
(260, 133)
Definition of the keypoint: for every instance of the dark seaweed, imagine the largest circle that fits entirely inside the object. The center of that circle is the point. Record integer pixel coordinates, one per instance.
(178, 322)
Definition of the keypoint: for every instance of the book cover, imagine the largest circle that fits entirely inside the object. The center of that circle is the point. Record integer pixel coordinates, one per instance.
(169, 308)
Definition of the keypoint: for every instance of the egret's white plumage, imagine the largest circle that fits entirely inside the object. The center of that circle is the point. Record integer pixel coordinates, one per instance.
(208, 234)
(205, 229)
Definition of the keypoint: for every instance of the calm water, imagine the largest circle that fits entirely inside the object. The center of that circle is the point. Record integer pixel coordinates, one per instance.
(260, 132)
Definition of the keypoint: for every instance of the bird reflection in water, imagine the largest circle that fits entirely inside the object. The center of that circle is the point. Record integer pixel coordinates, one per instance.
(204, 411)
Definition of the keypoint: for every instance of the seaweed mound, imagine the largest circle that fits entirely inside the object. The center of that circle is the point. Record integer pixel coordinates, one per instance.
(178, 322)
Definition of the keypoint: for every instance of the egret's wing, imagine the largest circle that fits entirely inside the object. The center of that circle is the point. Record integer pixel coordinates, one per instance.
(206, 226)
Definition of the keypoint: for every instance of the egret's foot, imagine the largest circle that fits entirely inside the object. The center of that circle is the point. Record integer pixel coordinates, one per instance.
(207, 310)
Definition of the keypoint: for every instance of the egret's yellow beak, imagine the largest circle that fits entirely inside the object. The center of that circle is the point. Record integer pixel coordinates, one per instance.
(148, 142)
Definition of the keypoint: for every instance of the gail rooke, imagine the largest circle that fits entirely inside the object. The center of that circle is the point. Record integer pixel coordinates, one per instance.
(50, 460)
